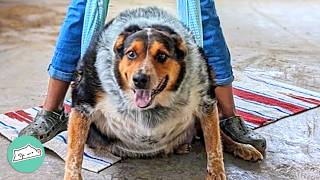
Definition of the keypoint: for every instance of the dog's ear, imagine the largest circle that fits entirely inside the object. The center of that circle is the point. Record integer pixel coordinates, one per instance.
(119, 44)
(180, 46)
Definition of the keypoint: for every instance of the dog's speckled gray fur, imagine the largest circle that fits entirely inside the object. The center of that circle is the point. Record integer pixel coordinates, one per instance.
(137, 132)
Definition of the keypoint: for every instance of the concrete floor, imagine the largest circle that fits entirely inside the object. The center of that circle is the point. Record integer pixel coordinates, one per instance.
(279, 39)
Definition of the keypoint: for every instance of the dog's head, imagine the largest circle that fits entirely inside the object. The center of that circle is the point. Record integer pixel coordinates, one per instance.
(150, 63)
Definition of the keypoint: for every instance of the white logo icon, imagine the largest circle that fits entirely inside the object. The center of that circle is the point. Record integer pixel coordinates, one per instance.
(25, 153)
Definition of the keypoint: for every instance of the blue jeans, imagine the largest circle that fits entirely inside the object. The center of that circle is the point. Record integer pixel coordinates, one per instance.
(68, 47)
(67, 52)
(214, 44)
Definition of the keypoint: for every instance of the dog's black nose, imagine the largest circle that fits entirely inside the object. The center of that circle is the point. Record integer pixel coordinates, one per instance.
(140, 80)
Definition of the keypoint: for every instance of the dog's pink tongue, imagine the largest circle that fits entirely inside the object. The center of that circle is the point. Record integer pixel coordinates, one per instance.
(142, 97)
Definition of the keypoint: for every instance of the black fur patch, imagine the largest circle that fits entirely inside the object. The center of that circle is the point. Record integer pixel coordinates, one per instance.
(96, 139)
(164, 28)
(117, 74)
(180, 76)
(86, 83)
(211, 75)
(132, 29)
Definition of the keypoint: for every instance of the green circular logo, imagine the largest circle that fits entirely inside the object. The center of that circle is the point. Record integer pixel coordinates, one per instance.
(25, 154)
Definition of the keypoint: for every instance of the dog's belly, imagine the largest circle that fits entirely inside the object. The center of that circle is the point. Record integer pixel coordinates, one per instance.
(137, 139)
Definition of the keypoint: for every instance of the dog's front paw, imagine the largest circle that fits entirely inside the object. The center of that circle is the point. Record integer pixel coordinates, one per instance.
(72, 176)
(248, 152)
(218, 175)
(215, 169)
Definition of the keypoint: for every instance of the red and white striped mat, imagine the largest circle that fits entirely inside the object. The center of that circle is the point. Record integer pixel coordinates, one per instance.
(259, 101)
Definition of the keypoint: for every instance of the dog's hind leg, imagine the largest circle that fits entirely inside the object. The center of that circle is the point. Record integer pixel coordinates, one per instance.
(244, 151)
(78, 128)
(183, 149)
(211, 132)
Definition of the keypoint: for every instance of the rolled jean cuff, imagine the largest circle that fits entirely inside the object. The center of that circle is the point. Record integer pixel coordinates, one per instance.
(60, 75)
(225, 81)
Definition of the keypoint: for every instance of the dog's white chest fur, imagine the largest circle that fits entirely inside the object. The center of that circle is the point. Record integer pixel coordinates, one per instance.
(137, 137)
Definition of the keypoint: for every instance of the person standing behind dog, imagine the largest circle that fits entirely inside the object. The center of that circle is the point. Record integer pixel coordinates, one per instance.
(52, 119)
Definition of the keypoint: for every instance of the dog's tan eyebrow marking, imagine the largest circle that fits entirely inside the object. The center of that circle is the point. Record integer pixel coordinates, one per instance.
(137, 45)
(157, 47)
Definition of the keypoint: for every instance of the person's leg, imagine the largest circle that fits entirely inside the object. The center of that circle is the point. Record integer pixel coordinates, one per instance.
(57, 90)
(66, 56)
(52, 119)
(226, 102)
(217, 52)
(83, 20)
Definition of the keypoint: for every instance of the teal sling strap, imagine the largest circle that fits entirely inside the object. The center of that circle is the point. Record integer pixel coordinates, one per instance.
(94, 19)
(189, 13)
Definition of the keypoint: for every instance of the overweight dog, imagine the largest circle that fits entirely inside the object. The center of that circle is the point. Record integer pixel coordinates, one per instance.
(139, 90)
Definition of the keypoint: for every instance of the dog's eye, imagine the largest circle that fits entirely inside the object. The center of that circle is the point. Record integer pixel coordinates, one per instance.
(161, 58)
(131, 55)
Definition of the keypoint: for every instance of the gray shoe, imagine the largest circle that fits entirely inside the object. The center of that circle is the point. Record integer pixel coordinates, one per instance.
(46, 125)
(235, 128)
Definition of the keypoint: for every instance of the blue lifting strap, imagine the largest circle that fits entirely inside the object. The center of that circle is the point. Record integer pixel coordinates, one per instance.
(189, 13)
(94, 19)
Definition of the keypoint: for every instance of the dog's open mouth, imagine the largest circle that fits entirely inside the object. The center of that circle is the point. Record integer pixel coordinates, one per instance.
(144, 97)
